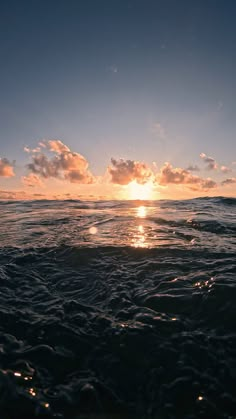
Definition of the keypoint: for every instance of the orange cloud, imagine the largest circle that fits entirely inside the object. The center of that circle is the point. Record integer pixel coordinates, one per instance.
(6, 168)
(179, 176)
(57, 146)
(125, 171)
(64, 165)
(32, 180)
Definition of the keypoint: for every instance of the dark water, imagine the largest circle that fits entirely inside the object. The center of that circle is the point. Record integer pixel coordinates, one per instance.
(137, 320)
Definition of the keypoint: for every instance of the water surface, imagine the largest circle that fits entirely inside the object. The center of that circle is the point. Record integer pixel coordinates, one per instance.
(118, 309)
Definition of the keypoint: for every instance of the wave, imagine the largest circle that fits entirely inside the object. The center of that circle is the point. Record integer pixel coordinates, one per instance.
(132, 319)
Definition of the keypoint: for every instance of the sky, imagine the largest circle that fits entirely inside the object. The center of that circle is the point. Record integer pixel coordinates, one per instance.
(117, 99)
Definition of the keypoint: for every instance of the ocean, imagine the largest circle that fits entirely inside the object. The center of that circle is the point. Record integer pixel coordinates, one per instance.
(118, 309)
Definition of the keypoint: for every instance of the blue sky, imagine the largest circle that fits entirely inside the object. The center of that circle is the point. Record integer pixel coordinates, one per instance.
(141, 80)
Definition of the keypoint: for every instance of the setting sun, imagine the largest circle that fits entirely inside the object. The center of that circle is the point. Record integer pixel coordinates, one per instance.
(140, 191)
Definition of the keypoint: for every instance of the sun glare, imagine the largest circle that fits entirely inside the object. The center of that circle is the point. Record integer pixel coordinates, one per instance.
(138, 191)
(141, 212)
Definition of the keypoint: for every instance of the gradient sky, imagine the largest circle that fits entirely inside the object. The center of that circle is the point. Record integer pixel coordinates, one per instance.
(148, 81)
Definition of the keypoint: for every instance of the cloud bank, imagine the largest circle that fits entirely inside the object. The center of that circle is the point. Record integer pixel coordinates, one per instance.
(52, 159)
(12, 195)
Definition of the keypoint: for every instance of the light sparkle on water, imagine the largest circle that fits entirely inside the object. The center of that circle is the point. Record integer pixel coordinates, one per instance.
(93, 230)
(141, 212)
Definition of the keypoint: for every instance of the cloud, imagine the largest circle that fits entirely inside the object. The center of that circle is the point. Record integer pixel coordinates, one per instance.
(57, 146)
(207, 183)
(178, 176)
(225, 169)
(229, 181)
(64, 165)
(4, 194)
(32, 180)
(211, 163)
(192, 168)
(32, 150)
(6, 168)
(123, 172)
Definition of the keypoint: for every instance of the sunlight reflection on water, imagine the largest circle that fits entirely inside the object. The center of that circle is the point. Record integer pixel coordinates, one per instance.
(139, 236)
(141, 211)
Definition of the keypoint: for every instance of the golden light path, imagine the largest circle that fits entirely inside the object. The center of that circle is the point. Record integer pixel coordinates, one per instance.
(139, 236)
(141, 211)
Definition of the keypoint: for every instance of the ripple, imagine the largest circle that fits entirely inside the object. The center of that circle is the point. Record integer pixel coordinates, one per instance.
(92, 325)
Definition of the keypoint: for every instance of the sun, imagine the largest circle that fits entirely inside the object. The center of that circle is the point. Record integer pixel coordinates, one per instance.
(140, 191)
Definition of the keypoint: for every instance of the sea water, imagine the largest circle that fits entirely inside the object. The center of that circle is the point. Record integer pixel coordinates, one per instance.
(118, 309)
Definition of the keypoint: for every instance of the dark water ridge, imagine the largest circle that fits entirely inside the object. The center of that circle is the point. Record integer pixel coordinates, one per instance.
(118, 309)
